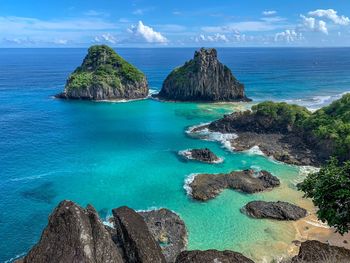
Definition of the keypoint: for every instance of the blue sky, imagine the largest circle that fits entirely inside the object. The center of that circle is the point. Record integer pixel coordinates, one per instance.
(161, 23)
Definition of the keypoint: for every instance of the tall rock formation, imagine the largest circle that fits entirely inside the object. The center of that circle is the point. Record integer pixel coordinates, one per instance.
(203, 78)
(74, 234)
(104, 75)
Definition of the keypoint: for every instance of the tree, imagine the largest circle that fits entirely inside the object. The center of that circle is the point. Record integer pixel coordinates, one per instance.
(330, 192)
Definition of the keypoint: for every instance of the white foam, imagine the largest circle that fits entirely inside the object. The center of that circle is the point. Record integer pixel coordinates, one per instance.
(204, 134)
(34, 177)
(318, 101)
(317, 224)
(188, 181)
(303, 172)
(255, 150)
(306, 170)
(15, 257)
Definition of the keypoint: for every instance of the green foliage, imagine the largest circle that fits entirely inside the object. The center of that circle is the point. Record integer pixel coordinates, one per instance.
(333, 123)
(102, 67)
(282, 113)
(181, 74)
(330, 192)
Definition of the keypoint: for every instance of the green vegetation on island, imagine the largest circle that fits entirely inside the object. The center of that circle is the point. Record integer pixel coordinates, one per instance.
(330, 123)
(282, 114)
(105, 75)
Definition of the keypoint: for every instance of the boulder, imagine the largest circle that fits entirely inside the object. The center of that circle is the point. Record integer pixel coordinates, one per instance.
(207, 186)
(203, 155)
(212, 256)
(203, 78)
(74, 234)
(312, 251)
(274, 210)
(133, 235)
(168, 229)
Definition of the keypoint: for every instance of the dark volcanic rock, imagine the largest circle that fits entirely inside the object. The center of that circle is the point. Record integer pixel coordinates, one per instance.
(203, 78)
(207, 186)
(202, 155)
(169, 231)
(212, 256)
(133, 235)
(313, 251)
(274, 210)
(273, 139)
(74, 235)
(104, 75)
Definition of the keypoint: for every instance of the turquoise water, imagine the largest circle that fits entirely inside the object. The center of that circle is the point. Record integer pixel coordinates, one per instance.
(113, 154)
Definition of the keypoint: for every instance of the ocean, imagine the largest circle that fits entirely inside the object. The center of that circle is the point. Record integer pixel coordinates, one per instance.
(112, 154)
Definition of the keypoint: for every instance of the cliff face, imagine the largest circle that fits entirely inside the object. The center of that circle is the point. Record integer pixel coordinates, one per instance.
(203, 78)
(104, 75)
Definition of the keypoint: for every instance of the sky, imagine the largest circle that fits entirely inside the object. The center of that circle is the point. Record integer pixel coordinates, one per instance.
(162, 23)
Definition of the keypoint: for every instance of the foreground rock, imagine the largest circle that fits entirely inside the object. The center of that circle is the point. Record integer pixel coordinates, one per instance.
(274, 210)
(74, 234)
(207, 186)
(133, 234)
(272, 138)
(202, 155)
(203, 78)
(212, 256)
(313, 251)
(168, 229)
(104, 75)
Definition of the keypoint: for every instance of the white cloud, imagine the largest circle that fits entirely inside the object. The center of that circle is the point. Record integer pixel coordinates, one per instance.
(106, 38)
(269, 12)
(322, 27)
(288, 36)
(310, 23)
(248, 26)
(211, 38)
(20, 24)
(332, 15)
(61, 41)
(146, 33)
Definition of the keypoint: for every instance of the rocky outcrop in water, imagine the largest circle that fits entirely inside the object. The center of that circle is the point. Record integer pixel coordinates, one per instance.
(212, 256)
(133, 234)
(207, 186)
(313, 251)
(272, 138)
(104, 75)
(274, 210)
(74, 234)
(203, 155)
(169, 231)
(203, 78)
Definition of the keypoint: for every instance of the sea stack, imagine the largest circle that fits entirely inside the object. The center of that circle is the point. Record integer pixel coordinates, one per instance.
(104, 75)
(203, 78)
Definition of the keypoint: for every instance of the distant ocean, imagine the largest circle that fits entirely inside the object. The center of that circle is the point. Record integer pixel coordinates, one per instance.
(113, 154)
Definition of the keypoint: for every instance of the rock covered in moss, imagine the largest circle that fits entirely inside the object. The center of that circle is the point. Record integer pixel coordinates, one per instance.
(104, 75)
(203, 78)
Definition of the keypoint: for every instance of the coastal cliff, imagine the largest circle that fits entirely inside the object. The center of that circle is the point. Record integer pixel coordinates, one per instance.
(104, 75)
(203, 78)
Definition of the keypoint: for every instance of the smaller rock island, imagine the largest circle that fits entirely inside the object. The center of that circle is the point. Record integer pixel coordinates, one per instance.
(104, 75)
(203, 78)
(202, 155)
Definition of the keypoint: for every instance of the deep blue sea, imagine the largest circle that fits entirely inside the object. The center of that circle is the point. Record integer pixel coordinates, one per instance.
(113, 154)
